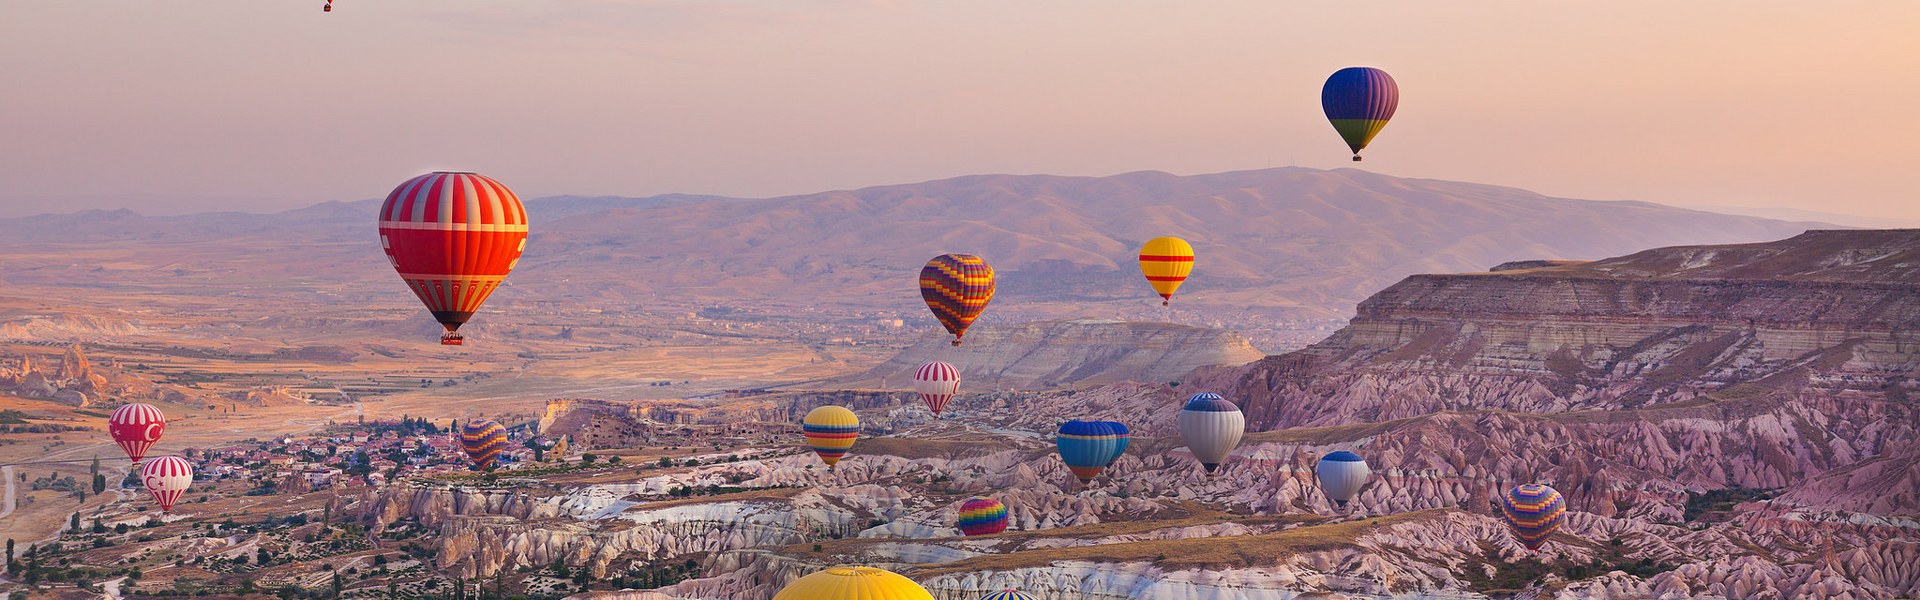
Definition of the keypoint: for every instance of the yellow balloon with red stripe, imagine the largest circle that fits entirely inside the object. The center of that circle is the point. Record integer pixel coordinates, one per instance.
(1166, 261)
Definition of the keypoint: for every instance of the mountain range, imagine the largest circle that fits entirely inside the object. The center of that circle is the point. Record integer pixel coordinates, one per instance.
(1283, 254)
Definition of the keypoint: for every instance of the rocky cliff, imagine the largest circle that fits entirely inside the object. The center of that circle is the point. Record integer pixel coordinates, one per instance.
(1048, 354)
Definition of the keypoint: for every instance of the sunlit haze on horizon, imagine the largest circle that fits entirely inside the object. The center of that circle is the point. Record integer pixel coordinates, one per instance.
(171, 107)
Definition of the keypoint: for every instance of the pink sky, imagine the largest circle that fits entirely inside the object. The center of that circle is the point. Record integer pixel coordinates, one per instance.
(260, 105)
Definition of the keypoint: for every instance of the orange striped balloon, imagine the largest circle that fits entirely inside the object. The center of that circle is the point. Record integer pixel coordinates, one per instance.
(1166, 261)
(453, 237)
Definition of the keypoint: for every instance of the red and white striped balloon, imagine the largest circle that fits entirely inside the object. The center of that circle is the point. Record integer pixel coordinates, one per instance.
(937, 382)
(167, 478)
(135, 427)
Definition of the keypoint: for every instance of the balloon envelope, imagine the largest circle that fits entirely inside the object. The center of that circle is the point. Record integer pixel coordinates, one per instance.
(1359, 101)
(453, 237)
(853, 583)
(1087, 447)
(982, 516)
(1007, 595)
(1212, 428)
(1533, 512)
(937, 382)
(483, 440)
(830, 432)
(1166, 261)
(167, 478)
(957, 288)
(1123, 436)
(135, 427)
(1342, 474)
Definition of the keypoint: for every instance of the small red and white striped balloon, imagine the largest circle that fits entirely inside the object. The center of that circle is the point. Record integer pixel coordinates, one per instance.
(167, 478)
(135, 427)
(937, 382)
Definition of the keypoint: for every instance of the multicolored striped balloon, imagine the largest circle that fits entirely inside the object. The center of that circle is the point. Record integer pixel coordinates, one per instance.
(1166, 261)
(1212, 428)
(483, 440)
(937, 382)
(982, 516)
(1534, 512)
(1007, 595)
(853, 583)
(1087, 447)
(135, 427)
(830, 432)
(453, 237)
(167, 478)
(957, 288)
(1359, 101)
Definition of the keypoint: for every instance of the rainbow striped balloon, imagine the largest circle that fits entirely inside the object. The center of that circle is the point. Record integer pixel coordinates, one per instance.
(957, 288)
(1007, 595)
(982, 516)
(1166, 261)
(483, 440)
(830, 432)
(1534, 512)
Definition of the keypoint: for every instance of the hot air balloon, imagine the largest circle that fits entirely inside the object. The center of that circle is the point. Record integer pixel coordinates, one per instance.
(1212, 427)
(453, 237)
(957, 288)
(135, 427)
(853, 583)
(982, 516)
(830, 431)
(1006, 595)
(167, 478)
(937, 382)
(483, 440)
(1533, 512)
(1342, 474)
(328, 7)
(1087, 447)
(1359, 101)
(1166, 261)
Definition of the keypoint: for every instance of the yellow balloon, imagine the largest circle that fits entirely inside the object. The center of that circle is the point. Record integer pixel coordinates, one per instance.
(853, 583)
(1166, 261)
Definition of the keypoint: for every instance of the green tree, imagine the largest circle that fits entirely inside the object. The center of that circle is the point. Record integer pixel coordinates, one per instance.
(337, 584)
(99, 484)
(73, 523)
(10, 564)
(588, 458)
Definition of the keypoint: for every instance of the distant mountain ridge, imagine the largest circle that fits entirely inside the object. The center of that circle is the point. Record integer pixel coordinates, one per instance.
(1276, 247)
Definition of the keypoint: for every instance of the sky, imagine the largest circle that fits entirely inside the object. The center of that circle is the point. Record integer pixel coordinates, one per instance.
(266, 105)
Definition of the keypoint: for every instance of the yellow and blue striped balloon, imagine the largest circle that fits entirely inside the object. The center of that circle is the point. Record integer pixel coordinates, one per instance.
(1359, 101)
(830, 432)
(1007, 595)
(1534, 512)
